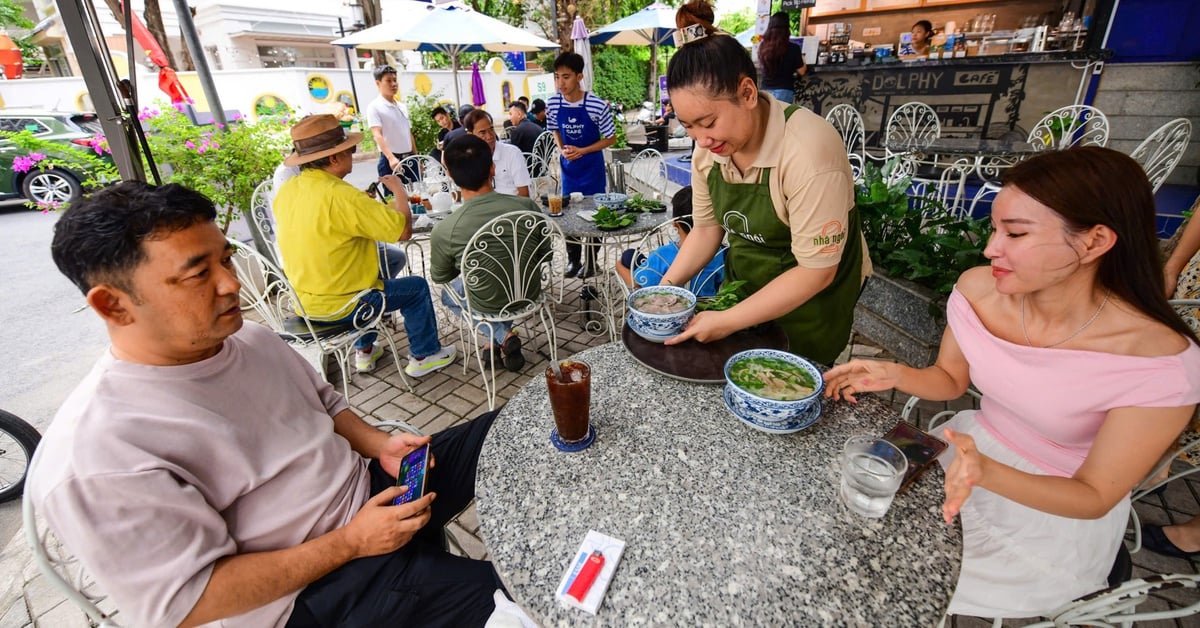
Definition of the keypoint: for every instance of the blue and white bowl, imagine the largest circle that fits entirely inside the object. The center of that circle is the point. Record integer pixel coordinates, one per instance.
(659, 327)
(614, 200)
(773, 415)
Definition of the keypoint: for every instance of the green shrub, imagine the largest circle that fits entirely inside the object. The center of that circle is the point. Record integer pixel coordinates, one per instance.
(916, 239)
(621, 73)
(423, 125)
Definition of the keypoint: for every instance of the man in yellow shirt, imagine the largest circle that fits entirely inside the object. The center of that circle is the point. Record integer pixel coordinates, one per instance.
(328, 232)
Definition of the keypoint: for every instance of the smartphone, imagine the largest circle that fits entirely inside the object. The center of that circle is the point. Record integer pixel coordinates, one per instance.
(412, 475)
(373, 189)
(920, 447)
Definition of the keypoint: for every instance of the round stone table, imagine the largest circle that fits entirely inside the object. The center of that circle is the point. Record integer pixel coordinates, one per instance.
(723, 525)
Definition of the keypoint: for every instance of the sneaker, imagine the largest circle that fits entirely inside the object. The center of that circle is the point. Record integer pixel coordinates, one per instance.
(365, 362)
(430, 363)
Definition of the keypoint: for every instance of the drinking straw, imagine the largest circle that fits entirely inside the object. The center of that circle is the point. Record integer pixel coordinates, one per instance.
(557, 371)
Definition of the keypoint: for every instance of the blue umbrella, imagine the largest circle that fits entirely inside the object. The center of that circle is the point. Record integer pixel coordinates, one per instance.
(477, 95)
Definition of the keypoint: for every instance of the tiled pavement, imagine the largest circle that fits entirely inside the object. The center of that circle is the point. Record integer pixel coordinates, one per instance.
(448, 397)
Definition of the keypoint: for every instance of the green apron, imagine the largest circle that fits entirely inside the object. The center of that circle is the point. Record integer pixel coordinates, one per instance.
(760, 249)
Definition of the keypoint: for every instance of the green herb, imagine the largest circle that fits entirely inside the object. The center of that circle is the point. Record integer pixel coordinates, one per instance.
(725, 298)
(639, 204)
(607, 218)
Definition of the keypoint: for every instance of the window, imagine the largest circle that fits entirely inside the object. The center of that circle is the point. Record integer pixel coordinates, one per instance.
(13, 125)
(297, 56)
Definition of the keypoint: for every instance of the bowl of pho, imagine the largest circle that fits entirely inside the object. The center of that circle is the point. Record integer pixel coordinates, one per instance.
(660, 312)
(774, 391)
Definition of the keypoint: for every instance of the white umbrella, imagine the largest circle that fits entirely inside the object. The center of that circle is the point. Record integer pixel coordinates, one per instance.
(652, 26)
(579, 35)
(448, 28)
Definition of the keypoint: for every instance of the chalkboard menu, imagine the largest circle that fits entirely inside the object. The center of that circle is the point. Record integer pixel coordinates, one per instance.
(796, 5)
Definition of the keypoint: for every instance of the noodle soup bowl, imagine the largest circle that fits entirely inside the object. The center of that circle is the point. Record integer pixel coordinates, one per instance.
(659, 327)
(764, 413)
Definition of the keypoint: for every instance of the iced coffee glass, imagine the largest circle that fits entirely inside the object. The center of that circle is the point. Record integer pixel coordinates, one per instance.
(570, 400)
(555, 202)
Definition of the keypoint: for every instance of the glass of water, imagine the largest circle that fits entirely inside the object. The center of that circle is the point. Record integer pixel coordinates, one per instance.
(872, 470)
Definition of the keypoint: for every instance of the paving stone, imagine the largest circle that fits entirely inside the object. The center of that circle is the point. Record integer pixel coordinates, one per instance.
(472, 394)
(369, 392)
(17, 616)
(470, 543)
(443, 421)
(469, 519)
(457, 405)
(386, 395)
(425, 417)
(41, 597)
(64, 615)
(392, 412)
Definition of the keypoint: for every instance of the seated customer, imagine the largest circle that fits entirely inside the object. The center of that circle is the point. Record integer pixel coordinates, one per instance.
(524, 132)
(204, 472)
(648, 270)
(469, 162)
(511, 177)
(1087, 376)
(328, 232)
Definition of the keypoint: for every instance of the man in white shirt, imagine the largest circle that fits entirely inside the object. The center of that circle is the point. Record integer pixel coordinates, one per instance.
(389, 124)
(512, 177)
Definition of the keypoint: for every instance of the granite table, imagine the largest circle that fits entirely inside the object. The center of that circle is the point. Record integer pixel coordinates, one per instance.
(723, 525)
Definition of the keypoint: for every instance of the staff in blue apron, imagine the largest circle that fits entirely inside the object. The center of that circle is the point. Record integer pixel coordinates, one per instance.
(775, 179)
(583, 127)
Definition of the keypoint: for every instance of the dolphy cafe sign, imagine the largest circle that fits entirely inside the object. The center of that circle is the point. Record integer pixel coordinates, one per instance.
(939, 81)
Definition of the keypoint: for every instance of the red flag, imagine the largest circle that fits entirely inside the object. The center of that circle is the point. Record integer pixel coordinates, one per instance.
(168, 82)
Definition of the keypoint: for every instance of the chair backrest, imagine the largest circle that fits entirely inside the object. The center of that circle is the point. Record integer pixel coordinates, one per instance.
(636, 134)
(914, 122)
(1116, 605)
(545, 147)
(540, 179)
(425, 172)
(849, 124)
(649, 172)
(705, 283)
(1073, 125)
(262, 218)
(512, 256)
(1162, 150)
(62, 569)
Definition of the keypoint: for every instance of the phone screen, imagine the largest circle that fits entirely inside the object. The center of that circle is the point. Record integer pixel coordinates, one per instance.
(920, 447)
(412, 475)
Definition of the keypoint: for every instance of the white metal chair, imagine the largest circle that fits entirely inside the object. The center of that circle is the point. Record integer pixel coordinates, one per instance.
(545, 147)
(541, 180)
(425, 173)
(266, 290)
(1073, 125)
(514, 253)
(914, 122)
(1162, 150)
(635, 135)
(63, 571)
(1117, 605)
(849, 124)
(649, 174)
(262, 219)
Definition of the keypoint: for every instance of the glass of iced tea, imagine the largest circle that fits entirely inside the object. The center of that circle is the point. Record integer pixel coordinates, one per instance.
(570, 399)
(555, 202)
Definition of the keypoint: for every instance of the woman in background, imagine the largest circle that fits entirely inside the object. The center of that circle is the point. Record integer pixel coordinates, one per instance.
(782, 61)
(1087, 376)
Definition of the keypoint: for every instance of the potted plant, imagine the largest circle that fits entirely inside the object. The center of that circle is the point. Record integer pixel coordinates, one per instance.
(918, 249)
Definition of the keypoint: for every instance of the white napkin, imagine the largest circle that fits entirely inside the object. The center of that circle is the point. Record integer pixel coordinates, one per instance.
(508, 615)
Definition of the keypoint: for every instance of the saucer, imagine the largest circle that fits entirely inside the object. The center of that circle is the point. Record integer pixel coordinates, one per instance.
(806, 418)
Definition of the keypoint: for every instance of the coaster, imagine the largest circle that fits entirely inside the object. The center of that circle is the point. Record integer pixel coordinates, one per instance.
(578, 445)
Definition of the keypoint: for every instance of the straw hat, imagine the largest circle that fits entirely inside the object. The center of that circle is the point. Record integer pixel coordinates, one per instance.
(319, 136)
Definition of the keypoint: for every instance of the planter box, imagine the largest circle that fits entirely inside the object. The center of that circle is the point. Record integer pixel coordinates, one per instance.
(622, 155)
(895, 314)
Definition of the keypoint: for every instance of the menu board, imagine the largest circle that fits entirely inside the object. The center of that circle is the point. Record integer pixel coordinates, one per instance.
(826, 7)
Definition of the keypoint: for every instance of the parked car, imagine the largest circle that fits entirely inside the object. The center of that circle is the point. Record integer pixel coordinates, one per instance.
(74, 130)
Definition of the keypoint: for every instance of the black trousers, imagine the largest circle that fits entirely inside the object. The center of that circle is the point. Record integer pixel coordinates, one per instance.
(419, 584)
(575, 250)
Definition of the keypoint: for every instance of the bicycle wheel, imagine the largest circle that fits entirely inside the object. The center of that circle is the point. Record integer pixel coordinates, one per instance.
(18, 440)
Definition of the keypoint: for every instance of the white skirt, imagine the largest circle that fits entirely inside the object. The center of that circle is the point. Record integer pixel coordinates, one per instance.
(1021, 562)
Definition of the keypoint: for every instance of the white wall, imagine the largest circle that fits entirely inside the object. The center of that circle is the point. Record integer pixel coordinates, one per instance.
(238, 89)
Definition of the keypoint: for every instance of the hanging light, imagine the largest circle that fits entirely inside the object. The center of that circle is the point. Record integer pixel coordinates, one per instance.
(356, 15)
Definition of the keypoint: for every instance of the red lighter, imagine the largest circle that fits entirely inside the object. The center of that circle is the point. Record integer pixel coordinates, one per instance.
(587, 575)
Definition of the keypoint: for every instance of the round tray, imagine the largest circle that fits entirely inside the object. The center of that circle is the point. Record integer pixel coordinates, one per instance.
(699, 362)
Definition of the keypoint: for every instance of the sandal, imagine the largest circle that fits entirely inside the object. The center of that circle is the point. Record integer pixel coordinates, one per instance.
(1155, 540)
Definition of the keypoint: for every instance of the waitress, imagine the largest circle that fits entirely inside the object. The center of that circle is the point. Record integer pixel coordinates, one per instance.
(922, 31)
(776, 180)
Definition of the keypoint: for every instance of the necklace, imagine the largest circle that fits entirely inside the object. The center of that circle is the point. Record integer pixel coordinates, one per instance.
(1073, 334)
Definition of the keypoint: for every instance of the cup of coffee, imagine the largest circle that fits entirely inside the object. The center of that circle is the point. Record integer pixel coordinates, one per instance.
(555, 203)
(570, 400)
(872, 470)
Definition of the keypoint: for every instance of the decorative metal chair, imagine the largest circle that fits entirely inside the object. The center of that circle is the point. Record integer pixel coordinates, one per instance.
(541, 181)
(63, 571)
(424, 175)
(545, 147)
(649, 173)
(1116, 605)
(849, 124)
(513, 253)
(262, 220)
(913, 122)
(1159, 153)
(1073, 125)
(266, 290)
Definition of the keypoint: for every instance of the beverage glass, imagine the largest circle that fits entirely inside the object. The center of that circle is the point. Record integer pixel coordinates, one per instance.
(555, 202)
(570, 399)
(872, 470)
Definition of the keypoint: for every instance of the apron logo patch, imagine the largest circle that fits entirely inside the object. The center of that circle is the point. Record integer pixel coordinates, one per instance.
(735, 222)
(831, 239)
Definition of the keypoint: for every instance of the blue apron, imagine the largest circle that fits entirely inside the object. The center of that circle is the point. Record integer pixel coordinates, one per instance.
(586, 174)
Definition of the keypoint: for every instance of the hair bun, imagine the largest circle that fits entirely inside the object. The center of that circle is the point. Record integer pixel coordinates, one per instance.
(696, 12)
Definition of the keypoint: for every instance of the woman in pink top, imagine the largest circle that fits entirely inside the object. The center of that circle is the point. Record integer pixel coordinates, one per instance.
(1087, 376)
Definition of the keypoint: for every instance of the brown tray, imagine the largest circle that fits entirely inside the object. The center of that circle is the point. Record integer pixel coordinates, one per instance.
(699, 362)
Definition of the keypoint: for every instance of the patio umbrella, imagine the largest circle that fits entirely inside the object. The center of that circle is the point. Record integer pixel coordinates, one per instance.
(477, 95)
(653, 26)
(579, 35)
(448, 28)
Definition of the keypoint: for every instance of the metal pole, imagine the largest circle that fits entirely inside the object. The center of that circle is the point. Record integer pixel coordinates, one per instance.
(349, 67)
(202, 71)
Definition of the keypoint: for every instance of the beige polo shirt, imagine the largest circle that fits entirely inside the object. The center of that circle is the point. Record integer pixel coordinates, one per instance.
(811, 184)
